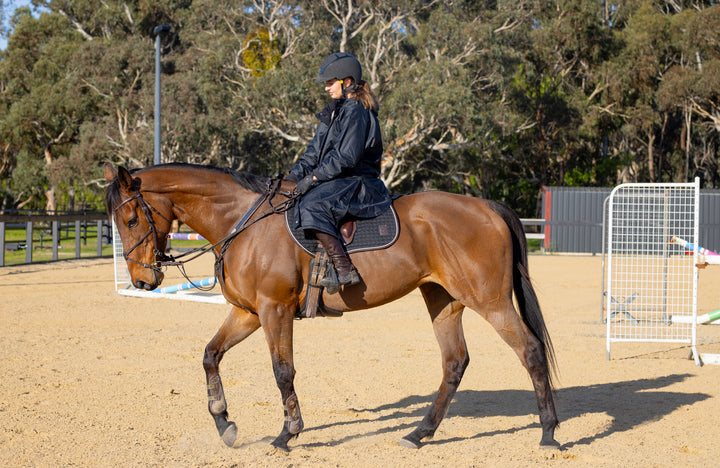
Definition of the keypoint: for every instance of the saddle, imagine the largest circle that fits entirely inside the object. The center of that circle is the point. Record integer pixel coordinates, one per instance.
(358, 235)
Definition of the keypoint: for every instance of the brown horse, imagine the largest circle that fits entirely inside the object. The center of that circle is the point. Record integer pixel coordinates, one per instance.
(460, 251)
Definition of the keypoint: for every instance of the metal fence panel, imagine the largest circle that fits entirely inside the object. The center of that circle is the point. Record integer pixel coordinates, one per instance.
(652, 281)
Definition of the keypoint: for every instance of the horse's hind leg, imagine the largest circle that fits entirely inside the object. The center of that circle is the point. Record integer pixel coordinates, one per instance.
(531, 352)
(446, 315)
(239, 325)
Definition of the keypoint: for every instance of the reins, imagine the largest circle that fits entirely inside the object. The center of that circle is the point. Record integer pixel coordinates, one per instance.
(272, 189)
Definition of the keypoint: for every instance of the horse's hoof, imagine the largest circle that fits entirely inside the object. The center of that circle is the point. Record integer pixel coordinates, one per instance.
(282, 447)
(551, 444)
(230, 434)
(407, 443)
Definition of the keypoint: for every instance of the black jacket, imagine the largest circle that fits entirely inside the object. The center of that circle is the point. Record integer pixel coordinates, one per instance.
(344, 156)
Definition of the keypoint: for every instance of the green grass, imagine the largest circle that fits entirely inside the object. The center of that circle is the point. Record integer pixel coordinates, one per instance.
(534, 245)
(186, 244)
(66, 249)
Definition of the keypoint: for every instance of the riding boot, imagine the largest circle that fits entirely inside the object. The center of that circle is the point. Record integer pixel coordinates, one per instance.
(346, 272)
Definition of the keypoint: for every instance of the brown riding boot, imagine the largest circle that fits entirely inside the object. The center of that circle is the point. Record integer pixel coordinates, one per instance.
(346, 273)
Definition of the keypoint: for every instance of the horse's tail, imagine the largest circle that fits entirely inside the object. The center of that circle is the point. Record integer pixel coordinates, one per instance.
(524, 292)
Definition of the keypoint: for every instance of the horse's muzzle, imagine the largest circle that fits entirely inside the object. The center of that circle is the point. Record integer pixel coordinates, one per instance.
(150, 285)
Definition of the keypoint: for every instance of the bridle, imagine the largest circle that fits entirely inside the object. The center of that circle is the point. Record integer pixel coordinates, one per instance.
(147, 209)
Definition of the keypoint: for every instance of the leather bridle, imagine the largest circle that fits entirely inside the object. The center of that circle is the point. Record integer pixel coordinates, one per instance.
(147, 209)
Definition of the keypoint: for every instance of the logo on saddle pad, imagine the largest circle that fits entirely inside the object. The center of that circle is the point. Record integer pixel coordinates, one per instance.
(359, 235)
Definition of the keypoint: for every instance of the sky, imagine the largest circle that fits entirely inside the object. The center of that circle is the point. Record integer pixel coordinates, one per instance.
(10, 7)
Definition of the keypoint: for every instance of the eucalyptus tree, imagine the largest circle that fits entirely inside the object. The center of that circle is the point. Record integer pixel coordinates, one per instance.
(690, 92)
(658, 88)
(43, 109)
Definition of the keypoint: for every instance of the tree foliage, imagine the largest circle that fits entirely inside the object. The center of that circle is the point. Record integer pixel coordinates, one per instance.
(488, 98)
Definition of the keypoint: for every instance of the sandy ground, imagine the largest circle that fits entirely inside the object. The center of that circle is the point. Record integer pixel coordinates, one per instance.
(92, 378)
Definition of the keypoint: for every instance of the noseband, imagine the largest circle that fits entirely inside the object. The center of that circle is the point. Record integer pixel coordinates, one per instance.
(147, 209)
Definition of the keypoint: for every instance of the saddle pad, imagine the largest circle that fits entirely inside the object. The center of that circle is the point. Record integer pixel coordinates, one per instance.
(372, 233)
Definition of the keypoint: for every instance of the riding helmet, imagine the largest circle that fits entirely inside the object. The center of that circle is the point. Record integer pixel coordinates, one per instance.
(338, 66)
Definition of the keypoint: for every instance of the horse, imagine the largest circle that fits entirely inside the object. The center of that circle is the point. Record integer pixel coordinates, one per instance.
(459, 251)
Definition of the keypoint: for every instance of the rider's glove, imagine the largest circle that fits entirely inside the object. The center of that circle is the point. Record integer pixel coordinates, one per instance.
(306, 184)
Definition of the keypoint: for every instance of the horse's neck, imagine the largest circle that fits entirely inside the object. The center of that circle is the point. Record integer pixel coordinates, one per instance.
(212, 213)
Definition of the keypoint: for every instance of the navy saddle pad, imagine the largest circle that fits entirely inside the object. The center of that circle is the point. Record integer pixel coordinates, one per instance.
(371, 233)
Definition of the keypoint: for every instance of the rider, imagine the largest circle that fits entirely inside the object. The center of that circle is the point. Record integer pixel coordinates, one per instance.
(339, 173)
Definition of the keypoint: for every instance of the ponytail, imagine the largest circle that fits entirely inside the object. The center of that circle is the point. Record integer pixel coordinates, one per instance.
(363, 93)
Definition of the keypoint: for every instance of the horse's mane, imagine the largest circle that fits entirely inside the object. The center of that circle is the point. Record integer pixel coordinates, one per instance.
(112, 196)
(246, 180)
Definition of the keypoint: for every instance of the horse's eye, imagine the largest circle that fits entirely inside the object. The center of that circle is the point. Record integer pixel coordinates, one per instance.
(132, 222)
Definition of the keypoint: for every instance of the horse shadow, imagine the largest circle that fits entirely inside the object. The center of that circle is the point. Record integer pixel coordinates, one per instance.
(630, 404)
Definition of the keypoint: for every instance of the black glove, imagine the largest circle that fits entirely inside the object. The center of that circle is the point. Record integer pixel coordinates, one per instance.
(306, 184)
(291, 177)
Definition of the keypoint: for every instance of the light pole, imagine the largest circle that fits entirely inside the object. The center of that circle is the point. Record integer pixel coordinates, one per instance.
(158, 31)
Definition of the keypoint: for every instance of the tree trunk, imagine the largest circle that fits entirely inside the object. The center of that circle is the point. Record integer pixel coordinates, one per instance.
(688, 139)
(651, 156)
(50, 204)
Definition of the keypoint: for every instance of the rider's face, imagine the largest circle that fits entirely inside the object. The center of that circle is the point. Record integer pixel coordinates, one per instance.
(334, 88)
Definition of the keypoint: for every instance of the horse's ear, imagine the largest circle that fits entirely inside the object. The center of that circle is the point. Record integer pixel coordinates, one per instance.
(110, 172)
(124, 177)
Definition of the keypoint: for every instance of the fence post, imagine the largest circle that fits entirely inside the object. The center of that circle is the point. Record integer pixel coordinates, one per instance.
(28, 242)
(55, 239)
(99, 225)
(2, 244)
(77, 238)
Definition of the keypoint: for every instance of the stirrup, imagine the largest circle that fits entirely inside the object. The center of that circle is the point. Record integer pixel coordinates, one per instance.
(332, 283)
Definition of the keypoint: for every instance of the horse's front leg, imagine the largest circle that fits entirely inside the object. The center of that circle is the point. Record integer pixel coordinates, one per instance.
(239, 325)
(277, 322)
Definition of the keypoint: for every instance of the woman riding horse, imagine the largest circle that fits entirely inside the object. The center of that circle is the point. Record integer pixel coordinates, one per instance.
(339, 173)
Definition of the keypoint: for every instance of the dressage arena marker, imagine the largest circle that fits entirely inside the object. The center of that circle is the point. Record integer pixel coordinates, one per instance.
(652, 283)
(182, 292)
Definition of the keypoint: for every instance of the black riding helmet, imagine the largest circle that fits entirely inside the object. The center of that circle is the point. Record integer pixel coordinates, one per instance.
(339, 66)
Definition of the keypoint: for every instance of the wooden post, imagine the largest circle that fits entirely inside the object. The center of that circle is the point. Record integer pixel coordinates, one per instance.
(2, 244)
(55, 239)
(99, 237)
(77, 238)
(28, 242)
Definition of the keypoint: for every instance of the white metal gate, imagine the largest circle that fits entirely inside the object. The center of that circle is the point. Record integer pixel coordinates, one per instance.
(652, 282)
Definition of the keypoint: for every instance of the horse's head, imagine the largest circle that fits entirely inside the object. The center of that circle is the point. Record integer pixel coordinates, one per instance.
(143, 229)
